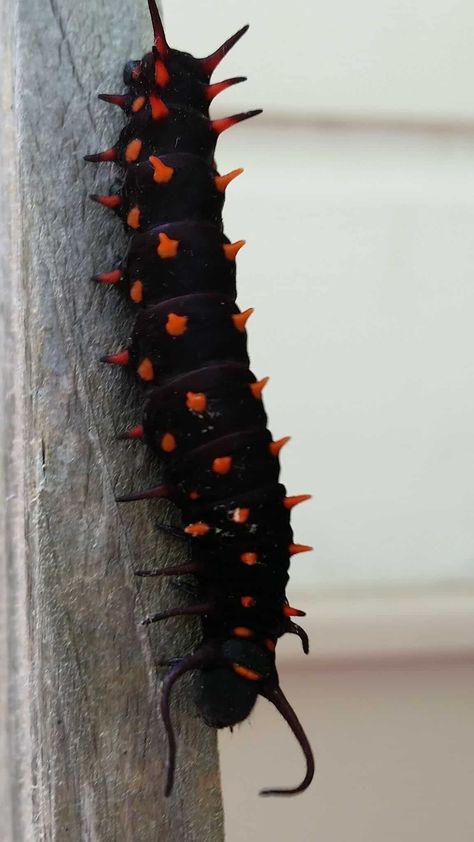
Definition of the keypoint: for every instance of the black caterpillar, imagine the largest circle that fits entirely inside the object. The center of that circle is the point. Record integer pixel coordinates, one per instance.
(204, 412)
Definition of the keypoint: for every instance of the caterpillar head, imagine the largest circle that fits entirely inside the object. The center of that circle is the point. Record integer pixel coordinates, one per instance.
(227, 695)
(228, 692)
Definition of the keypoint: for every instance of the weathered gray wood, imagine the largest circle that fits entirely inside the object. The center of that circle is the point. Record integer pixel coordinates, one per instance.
(80, 681)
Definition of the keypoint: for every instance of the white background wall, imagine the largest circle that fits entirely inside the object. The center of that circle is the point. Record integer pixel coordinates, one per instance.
(358, 208)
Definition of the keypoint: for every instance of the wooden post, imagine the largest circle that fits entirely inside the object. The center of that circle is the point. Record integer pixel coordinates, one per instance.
(83, 754)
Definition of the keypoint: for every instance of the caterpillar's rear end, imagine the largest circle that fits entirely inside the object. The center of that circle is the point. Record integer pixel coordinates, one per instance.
(204, 411)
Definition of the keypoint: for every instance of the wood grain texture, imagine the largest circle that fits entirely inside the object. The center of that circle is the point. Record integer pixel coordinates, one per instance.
(86, 749)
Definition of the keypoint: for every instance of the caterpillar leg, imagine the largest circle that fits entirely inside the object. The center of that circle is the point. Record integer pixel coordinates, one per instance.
(186, 611)
(178, 570)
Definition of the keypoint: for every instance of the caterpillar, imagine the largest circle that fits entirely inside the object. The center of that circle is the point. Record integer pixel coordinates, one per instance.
(204, 411)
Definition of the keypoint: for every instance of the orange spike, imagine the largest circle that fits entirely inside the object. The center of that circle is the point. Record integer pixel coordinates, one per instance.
(276, 446)
(219, 126)
(294, 549)
(167, 248)
(288, 611)
(168, 443)
(162, 77)
(132, 150)
(222, 181)
(210, 63)
(196, 402)
(109, 277)
(248, 602)
(197, 530)
(258, 387)
(247, 673)
(222, 465)
(133, 218)
(158, 108)
(137, 432)
(162, 173)
(114, 99)
(107, 155)
(136, 292)
(111, 202)
(138, 104)
(122, 358)
(145, 370)
(231, 250)
(241, 319)
(214, 90)
(158, 31)
(250, 559)
(242, 631)
(270, 645)
(240, 515)
(176, 325)
(290, 502)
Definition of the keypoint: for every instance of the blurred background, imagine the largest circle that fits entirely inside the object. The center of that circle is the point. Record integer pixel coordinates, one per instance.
(358, 208)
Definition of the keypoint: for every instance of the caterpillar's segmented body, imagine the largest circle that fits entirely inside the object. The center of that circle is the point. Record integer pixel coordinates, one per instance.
(204, 412)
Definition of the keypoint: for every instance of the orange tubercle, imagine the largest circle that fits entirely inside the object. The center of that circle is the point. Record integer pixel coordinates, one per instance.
(240, 515)
(196, 401)
(176, 325)
(223, 181)
(133, 218)
(276, 446)
(168, 443)
(288, 611)
(122, 358)
(145, 370)
(137, 432)
(162, 77)
(295, 549)
(158, 108)
(290, 502)
(197, 530)
(111, 202)
(167, 248)
(242, 631)
(222, 465)
(136, 292)
(109, 277)
(270, 645)
(248, 602)
(194, 495)
(250, 559)
(258, 387)
(231, 250)
(240, 319)
(132, 150)
(247, 673)
(138, 104)
(162, 173)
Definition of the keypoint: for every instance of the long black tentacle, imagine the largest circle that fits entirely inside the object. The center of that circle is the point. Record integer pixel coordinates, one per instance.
(277, 698)
(202, 658)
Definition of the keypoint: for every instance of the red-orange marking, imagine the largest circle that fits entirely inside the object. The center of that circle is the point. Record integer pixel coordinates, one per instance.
(133, 218)
(176, 325)
(246, 672)
(222, 465)
(168, 443)
(136, 292)
(248, 602)
(249, 558)
(196, 401)
(167, 248)
(197, 530)
(145, 370)
(133, 150)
